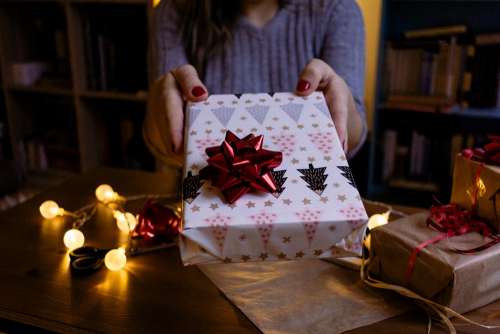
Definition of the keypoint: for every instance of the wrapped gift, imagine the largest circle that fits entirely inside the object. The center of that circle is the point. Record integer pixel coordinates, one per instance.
(313, 210)
(439, 272)
(476, 186)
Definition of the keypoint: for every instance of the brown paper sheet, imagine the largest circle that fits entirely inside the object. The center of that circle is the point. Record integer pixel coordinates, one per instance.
(463, 178)
(462, 282)
(309, 296)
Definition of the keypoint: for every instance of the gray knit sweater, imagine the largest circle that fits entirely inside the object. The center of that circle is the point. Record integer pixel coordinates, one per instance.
(270, 59)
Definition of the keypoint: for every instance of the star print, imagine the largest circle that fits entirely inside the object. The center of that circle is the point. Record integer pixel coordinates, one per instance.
(223, 130)
(248, 101)
(242, 237)
(302, 149)
(330, 125)
(275, 119)
(318, 252)
(243, 118)
(208, 122)
(238, 130)
(343, 158)
(299, 255)
(311, 159)
(206, 103)
(295, 161)
(263, 256)
(332, 228)
(253, 130)
(324, 199)
(294, 181)
(232, 205)
(227, 260)
(193, 133)
(268, 203)
(195, 208)
(277, 100)
(208, 131)
(305, 98)
(306, 201)
(313, 116)
(285, 127)
(250, 204)
(300, 126)
(234, 102)
(287, 201)
(358, 197)
(189, 152)
(315, 125)
(341, 198)
(327, 158)
(262, 100)
(287, 239)
(336, 185)
(214, 206)
(245, 258)
(282, 256)
(318, 97)
(269, 128)
(220, 103)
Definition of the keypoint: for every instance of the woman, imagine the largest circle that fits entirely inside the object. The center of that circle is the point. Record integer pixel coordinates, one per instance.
(202, 47)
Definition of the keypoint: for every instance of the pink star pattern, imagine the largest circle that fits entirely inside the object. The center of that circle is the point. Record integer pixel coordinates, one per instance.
(264, 222)
(285, 143)
(323, 141)
(310, 219)
(351, 212)
(219, 225)
(202, 144)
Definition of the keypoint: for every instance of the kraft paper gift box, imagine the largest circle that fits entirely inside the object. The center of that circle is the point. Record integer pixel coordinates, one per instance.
(488, 197)
(461, 282)
(316, 211)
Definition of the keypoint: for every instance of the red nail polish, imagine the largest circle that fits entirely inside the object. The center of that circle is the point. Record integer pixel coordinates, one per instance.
(303, 85)
(198, 91)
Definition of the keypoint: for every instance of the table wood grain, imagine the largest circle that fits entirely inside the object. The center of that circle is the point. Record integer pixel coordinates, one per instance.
(155, 293)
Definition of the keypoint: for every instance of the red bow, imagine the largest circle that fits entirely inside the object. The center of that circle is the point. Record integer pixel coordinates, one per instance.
(156, 221)
(452, 221)
(489, 153)
(240, 165)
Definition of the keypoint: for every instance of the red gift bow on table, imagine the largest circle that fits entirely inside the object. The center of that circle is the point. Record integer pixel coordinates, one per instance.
(238, 166)
(156, 221)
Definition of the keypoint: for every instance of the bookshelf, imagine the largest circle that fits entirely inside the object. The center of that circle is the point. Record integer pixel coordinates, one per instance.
(74, 81)
(426, 111)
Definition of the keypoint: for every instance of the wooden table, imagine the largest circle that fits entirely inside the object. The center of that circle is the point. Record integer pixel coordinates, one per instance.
(155, 293)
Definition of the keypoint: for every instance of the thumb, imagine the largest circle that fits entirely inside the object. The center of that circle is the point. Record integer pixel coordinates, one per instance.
(191, 86)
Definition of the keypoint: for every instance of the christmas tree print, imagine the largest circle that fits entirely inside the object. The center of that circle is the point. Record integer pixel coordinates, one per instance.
(294, 110)
(310, 220)
(218, 226)
(346, 172)
(259, 112)
(323, 141)
(279, 179)
(315, 178)
(285, 143)
(324, 109)
(191, 185)
(192, 116)
(203, 143)
(223, 114)
(353, 213)
(264, 222)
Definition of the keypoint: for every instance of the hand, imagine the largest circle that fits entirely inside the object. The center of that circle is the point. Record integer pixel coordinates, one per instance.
(164, 123)
(318, 75)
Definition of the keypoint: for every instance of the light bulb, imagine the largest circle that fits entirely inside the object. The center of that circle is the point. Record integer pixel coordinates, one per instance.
(115, 259)
(50, 209)
(105, 193)
(73, 239)
(126, 222)
(378, 219)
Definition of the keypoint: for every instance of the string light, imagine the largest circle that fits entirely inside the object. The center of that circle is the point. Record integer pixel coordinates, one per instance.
(126, 222)
(50, 209)
(105, 194)
(73, 239)
(115, 259)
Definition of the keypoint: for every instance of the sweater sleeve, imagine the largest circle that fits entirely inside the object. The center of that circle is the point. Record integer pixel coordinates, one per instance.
(343, 48)
(167, 51)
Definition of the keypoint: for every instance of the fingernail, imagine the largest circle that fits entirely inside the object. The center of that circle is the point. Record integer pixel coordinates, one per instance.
(303, 85)
(198, 91)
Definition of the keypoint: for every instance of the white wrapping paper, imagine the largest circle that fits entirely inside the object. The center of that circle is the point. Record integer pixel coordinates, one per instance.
(317, 213)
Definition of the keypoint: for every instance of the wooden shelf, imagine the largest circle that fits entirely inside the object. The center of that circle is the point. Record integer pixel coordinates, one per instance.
(139, 97)
(41, 90)
(116, 2)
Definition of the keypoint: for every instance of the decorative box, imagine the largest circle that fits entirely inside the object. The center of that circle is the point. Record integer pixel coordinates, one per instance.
(472, 179)
(316, 210)
(461, 282)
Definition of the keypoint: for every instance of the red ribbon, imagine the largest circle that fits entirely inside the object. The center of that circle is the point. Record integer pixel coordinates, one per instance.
(238, 166)
(156, 221)
(488, 154)
(451, 221)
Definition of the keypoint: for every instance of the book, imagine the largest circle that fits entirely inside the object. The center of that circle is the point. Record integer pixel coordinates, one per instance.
(436, 31)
